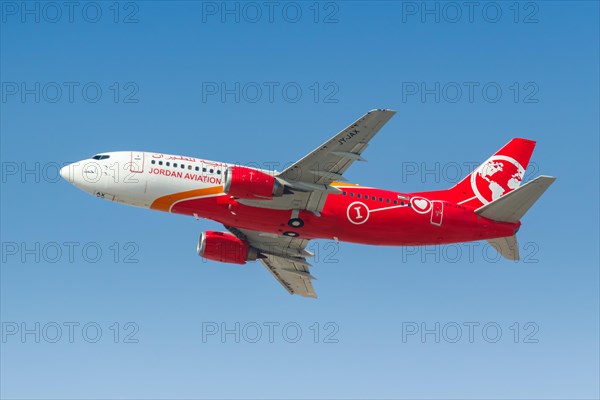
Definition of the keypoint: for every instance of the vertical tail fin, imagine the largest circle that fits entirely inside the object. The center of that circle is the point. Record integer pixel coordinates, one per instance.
(499, 175)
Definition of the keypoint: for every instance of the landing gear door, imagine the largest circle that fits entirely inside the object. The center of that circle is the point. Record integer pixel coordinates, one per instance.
(437, 212)
(137, 162)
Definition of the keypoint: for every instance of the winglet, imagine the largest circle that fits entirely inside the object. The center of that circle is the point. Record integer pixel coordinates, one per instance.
(387, 110)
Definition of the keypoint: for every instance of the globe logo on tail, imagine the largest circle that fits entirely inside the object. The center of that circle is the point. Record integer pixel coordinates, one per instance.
(496, 177)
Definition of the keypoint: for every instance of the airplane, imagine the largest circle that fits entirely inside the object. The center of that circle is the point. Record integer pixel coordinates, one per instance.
(270, 216)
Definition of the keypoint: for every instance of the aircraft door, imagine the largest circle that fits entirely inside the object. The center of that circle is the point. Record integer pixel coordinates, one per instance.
(137, 162)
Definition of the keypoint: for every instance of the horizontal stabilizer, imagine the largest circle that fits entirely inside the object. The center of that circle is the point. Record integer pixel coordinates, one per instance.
(506, 246)
(512, 206)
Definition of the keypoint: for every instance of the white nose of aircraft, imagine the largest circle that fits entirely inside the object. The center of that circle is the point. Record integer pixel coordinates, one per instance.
(64, 172)
(84, 175)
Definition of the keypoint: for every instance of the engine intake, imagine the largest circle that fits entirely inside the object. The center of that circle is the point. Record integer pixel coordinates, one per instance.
(250, 183)
(225, 247)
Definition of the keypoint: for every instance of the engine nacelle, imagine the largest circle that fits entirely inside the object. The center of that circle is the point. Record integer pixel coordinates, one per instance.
(250, 183)
(225, 247)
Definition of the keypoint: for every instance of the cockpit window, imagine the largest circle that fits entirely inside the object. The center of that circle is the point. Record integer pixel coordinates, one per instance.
(100, 157)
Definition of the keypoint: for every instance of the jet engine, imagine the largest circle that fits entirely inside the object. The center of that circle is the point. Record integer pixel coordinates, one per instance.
(252, 184)
(225, 247)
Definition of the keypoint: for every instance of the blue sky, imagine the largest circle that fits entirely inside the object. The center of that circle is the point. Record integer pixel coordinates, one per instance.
(195, 78)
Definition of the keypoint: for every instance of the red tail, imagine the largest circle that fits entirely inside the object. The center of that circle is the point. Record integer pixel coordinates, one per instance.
(499, 175)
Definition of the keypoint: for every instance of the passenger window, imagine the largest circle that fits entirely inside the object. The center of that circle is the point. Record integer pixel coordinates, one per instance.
(358, 195)
(373, 198)
(211, 170)
(203, 169)
(160, 163)
(395, 201)
(351, 194)
(168, 164)
(381, 199)
(344, 193)
(189, 167)
(387, 201)
(197, 168)
(153, 162)
(219, 172)
(175, 165)
(182, 166)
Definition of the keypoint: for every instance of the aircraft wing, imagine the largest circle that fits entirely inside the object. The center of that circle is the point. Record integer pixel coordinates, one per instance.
(329, 161)
(284, 257)
(310, 178)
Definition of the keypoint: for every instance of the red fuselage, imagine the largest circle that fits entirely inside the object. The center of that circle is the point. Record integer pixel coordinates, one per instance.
(361, 215)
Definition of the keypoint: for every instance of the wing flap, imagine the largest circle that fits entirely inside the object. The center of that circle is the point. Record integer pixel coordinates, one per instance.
(292, 274)
(285, 257)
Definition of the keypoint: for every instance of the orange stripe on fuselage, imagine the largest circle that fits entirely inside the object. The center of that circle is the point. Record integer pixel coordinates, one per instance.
(165, 203)
(346, 184)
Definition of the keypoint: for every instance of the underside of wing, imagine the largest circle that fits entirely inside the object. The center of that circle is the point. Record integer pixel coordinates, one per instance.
(293, 274)
(285, 257)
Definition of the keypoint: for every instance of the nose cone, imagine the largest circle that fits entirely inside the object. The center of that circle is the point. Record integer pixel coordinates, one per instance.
(85, 175)
(70, 173)
(64, 172)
